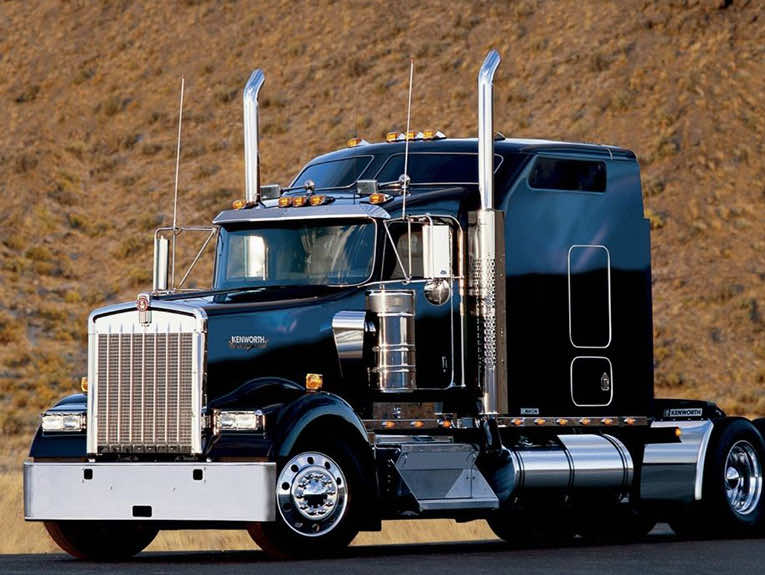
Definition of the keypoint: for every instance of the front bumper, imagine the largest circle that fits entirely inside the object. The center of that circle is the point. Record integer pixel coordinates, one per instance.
(209, 492)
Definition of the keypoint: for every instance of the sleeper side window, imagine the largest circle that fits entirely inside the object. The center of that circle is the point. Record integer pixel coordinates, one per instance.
(566, 174)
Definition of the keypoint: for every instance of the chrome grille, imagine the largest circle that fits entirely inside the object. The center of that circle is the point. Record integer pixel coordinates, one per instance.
(147, 385)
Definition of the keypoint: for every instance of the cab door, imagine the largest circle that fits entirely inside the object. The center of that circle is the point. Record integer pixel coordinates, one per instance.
(438, 334)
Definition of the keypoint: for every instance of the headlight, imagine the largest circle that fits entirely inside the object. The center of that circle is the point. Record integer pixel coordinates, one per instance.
(225, 420)
(53, 421)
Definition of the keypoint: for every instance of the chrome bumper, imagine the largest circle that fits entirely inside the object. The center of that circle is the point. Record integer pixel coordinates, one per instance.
(240, 492)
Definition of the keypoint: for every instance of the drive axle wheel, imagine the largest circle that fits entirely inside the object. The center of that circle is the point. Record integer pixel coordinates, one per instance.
(315, 513)
(732, 502)
(101, 540)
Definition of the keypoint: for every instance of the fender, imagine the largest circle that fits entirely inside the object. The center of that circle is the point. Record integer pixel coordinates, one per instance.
(297, 416)
(63, 444)
(320, 409)
(259, 393)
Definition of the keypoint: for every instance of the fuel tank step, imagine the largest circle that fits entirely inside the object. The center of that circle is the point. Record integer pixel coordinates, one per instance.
(443, 476)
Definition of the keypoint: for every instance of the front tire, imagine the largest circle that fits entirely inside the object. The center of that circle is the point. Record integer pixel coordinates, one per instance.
(316, 513)
(101, 540)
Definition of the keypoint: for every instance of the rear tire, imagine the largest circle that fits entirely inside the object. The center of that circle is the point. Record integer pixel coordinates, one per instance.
(316, 511)
(732, 502)
(101, 540)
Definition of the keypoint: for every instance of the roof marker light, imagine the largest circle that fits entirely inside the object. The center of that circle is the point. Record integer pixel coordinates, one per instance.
(285, 201)
(388, 424)
(379, 198)
(353, 142)
(585, 421)
(394, 137)
(517, 421)
(431, 134)
(320, 200)
(299, 201)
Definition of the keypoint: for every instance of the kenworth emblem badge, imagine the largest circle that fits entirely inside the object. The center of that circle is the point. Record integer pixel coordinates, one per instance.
(605, 382)
(247, 342)
(142, 304)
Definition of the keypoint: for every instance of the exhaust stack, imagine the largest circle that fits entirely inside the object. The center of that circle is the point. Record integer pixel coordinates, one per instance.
(486, 129)
(487, 258)
(251, 165)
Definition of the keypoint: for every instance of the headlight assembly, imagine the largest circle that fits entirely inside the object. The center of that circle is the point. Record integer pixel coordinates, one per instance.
(225, 420)
(53, 421)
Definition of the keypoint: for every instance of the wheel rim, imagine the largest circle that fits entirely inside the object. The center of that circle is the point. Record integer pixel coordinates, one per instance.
(311, 494)
(743, 478)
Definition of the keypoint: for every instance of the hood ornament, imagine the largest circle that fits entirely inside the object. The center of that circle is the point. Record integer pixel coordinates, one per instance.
(142, 304)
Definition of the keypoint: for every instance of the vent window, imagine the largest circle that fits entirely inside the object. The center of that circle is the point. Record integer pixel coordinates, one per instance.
(573, 175)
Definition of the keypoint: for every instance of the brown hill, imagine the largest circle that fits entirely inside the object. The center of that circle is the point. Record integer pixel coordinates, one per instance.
(88, 92)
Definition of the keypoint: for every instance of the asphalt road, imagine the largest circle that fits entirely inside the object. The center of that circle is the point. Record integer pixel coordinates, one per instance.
(660, 552)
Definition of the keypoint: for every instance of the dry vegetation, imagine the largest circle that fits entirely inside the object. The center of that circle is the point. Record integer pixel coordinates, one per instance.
(88, 92)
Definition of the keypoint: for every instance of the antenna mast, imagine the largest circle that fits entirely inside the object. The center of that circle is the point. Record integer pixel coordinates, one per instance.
(405, 176)
(175, 195)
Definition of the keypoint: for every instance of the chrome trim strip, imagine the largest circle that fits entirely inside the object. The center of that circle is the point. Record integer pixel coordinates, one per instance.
(241, 491)
(568, 271)
(275, 214)
(610, 374)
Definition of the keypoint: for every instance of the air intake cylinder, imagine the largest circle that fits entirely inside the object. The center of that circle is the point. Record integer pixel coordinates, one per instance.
(394, 369)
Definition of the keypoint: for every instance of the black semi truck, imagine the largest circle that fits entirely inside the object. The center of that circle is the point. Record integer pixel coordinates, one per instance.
(422, 327)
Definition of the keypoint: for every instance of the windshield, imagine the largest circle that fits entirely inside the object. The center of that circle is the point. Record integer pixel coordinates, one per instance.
(334, 174)
(295, 253)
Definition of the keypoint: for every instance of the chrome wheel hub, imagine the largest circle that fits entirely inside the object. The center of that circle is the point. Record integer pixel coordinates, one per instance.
(311, 494)
(743, 478)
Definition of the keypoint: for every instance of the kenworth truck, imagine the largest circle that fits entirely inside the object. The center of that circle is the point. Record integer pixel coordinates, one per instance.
(422, 327)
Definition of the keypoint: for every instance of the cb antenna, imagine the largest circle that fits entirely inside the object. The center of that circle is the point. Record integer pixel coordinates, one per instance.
(175, 195)
(404, 179)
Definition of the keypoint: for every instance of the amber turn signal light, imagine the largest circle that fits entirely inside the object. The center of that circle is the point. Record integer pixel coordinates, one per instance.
(313, 381)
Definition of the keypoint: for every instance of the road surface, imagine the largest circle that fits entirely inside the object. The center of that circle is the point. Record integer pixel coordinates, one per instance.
(660, 552)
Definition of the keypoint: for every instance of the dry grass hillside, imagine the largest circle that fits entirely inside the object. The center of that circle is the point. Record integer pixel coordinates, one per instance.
(88, 98)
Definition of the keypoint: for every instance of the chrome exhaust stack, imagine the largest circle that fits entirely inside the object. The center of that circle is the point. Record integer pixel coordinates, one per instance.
(486, 129)
(251, 164)
(487, 256)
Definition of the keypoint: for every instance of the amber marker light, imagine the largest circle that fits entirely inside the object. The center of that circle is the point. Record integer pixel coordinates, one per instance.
(517, 421)
(561, 421)
(445, 423)
(84, 384)
(607, 421)
(299, 201)
(238, 204)
(320, 200)
(678, 432)
(418, 424)
(388, 424)
(540, 421)
(285, 202)
(585, 421)
(393, 136)
(313, 381)
(378, 198)
(353, 142)
(629, 420)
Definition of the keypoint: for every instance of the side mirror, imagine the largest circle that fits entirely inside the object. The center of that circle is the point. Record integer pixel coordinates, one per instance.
(437, 251)
(161, 262)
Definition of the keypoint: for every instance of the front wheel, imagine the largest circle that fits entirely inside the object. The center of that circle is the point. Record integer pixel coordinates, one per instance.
(101, 540)
(316, 513)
